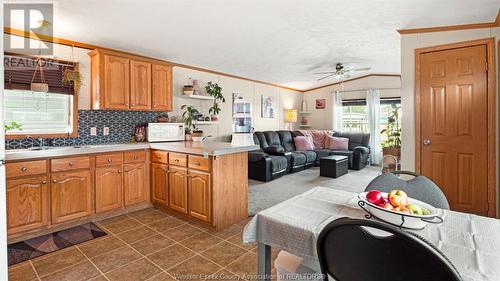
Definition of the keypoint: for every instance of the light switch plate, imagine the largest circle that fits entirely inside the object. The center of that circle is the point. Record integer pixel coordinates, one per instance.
(105, 131)
(93, 131)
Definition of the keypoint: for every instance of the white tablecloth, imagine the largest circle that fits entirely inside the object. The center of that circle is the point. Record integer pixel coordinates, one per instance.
(471, 242)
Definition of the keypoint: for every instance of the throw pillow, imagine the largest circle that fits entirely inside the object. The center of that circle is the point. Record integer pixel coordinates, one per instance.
(336, 143)
(303, 143)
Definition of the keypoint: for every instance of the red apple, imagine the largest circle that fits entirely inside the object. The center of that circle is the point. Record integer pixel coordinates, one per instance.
(374, 197)
(386, 205)
(398, 198)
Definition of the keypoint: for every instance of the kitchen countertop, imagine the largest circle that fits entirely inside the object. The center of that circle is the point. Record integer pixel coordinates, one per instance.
(208, 148)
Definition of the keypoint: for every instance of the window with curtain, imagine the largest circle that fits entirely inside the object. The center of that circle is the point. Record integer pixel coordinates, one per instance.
(38, 113)
(355, 114)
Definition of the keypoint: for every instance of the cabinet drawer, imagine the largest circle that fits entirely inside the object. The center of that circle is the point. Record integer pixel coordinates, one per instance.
(134, 156)
(177, 159)
(108, 159)
(26, 168)
(159, 156)
(199, 163)
(72, 163)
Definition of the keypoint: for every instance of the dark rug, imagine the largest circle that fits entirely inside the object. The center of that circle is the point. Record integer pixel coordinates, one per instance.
(39, 246)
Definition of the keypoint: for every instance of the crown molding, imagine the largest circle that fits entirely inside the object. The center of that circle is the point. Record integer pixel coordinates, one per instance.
(353, 79)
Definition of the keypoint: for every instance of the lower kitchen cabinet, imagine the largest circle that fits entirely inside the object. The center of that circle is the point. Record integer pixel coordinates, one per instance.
(71, 195)
(27, 204)
(134, 184)
(177, 183)
(159, 183)
(199, 195)
(108, 188)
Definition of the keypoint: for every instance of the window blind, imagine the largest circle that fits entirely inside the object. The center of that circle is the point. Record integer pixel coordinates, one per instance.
(19, 71)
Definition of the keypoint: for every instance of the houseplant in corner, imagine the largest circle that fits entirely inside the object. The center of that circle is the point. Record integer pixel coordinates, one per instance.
(215, 91)
(392, 146)
(190, 114)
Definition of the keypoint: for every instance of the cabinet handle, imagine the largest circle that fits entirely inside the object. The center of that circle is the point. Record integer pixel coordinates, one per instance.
(197, 163)
(54, 181)
(109, 160)
(176, 160)
(135, 156)
(70, 163)
(119, 171)
(44, 182)
(154, 105)
(24, 169)
(126, 171)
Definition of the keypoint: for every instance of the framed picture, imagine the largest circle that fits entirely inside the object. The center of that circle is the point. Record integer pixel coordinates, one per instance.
(320, 103)
(268, 106)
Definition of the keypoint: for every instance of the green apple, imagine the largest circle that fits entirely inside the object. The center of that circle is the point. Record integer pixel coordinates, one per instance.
(398, 198)
(415, 209)
(425, 212)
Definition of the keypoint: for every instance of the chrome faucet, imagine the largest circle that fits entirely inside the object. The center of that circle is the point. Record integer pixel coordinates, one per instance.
(40, 143)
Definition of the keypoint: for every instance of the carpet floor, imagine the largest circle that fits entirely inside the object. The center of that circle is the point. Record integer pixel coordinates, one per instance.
(262, 195)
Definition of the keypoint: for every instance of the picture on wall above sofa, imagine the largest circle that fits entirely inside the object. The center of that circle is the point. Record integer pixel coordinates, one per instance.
(268, 106)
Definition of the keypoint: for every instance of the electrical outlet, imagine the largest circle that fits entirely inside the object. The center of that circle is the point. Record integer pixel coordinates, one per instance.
(93, 131)
(105, 131)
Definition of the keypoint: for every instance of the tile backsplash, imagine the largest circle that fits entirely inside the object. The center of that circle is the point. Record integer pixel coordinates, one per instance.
(121, 127)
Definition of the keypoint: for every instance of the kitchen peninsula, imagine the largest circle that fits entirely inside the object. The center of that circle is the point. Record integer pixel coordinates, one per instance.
(59, 187)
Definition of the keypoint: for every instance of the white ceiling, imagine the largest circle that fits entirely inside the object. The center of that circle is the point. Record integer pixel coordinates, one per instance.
(275, 40)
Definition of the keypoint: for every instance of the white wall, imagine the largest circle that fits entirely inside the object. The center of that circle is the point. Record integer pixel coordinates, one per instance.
(409, 43)
(323, 118)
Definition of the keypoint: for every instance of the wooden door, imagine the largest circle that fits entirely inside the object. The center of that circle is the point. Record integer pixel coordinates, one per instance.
(159, 183)
(71, 195)
(134, 183)
(162, 87)
(199, 194)
(140, 85)
(177, 193)
(108, 188)
(453, 125)
(27, 204)
(116, 82)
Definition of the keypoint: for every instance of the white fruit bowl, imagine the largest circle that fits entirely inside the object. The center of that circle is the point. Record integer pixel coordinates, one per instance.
(401, 219)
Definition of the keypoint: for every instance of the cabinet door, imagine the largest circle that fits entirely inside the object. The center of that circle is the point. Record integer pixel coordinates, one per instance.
(108, 188)
(177, 184)
(159, 183)
(140, 85)
(71, 195)
(134, 183)
(27, 204)
(162, 87)
(116, 82)
(199, 194)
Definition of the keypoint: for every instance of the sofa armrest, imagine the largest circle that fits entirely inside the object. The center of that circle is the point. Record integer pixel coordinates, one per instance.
(272, 150)
(254, 156)
(362, 149)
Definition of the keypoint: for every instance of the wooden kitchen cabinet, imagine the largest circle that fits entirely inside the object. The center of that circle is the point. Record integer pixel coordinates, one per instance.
(108, 188)
(71, 195)
(162, 87)
(140, 85)
(159, 184)
(134, 184)
(177, 184)
(199, 195)
(116, 82)
(27, 204)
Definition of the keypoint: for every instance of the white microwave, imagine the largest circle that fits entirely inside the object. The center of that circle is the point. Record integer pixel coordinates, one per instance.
(158, 132)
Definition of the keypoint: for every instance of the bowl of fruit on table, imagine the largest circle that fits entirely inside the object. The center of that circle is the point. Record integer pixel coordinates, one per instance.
(397, 208)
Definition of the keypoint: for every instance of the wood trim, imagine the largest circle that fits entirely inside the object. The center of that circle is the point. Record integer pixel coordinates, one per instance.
(498, 101)
(492, 24)
(489, 42)
(353, 79)
(32, 35)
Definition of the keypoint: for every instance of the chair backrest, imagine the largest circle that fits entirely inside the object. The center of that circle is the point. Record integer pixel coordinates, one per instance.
(420, 188)
(355, 139)
(286, 138)
(360, 250)
(273, 139)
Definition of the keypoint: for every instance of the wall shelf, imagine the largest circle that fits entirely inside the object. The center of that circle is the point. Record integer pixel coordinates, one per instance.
(305, 112)
(200, 97)
(206, 122)
(304, 126)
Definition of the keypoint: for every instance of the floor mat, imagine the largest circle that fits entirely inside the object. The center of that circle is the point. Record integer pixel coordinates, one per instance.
(39, 246)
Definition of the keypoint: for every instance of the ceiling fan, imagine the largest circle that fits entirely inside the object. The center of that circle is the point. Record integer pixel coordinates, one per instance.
(341, 72)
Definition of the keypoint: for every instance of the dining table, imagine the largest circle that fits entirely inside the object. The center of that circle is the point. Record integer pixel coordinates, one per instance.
(470, 242)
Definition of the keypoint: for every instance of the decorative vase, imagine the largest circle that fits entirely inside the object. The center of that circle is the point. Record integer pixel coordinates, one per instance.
(392, 150)
(214, 118)
(188, 137)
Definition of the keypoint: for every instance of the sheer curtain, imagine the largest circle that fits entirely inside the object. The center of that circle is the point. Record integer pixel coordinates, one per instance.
(373, 103)
(337, 111)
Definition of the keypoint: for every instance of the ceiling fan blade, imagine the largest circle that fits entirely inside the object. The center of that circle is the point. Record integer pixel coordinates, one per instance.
(362, 69)
(327, 72)
(326, 77)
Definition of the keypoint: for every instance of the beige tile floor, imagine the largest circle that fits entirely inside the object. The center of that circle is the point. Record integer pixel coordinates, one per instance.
(148, 245)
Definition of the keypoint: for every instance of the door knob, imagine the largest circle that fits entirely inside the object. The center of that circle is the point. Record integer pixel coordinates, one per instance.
(426, 142)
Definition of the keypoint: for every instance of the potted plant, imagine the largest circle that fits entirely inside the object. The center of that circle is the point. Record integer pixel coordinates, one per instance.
(190, 114)
(214, 90)
(12, 126)
(392, 146)
(72, 75)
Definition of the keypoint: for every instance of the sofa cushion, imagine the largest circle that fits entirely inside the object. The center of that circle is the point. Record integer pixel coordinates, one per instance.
(254, 156)
(298, 159)
(320, 153)
(286, 139)
(355, 139)
(279, 163)
(310, 155)
(273, 139)
(261, 139)
(318, 137)
(303, 143)
(337, 143)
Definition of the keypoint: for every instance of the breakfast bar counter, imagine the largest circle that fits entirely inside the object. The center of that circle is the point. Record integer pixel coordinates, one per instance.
(209, 148)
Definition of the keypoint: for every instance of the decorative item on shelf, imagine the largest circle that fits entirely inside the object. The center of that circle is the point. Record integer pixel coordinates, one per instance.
(392, 146)
(304, 106)
(187, 134)
(190, 115)
(41, 87)
(207, 119)
(140, 132)
(188, 90)
(290, 117)
(162, 118)
(304, 121)
(197, 135)
(173, 119)
(215, 91)
(198, 91)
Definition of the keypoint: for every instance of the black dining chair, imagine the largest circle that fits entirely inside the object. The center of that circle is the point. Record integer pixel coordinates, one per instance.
(419, 187)
(366, 250)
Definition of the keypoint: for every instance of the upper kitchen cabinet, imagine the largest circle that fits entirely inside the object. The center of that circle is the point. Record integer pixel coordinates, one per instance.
(122, 81)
